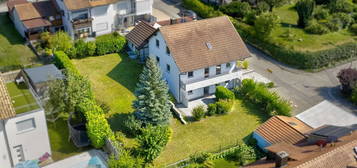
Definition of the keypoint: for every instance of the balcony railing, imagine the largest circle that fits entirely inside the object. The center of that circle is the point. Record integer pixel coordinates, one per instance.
(80, 23)
(204, 82)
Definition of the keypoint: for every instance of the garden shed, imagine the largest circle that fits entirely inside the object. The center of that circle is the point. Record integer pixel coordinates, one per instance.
(39, 77)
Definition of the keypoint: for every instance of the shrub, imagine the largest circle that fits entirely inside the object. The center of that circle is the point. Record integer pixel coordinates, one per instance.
(98, 128)
(270, 85)
(340, 6)
(201, 9)
(212, 109)
(265, 24)
(316, 28)
(198, 113)
(305, 9)
(60, 41)
(236, 9)
(91, 48)
(44, 39)
(321, 13)
(223, 93)
(152, 141)
(345, 19)
(334, 24)
(353, 28)
(262, 7)
(224, 106)
(125, 161)
(200, 157)
(109, 44)
(243, 154)
(133, 126)
(81, 48)
(62, 61)
(348, 80)
(250, 18)
(48, 52)
(245, 64)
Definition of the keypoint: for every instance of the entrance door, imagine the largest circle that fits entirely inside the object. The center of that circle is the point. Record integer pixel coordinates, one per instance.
(206, 91)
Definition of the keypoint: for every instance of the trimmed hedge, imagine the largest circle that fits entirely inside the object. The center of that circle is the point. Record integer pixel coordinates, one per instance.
(223, 93)
(62, 61)
(110, 43)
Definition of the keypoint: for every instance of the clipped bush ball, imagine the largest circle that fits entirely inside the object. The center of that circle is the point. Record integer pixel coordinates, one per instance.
(198, 113)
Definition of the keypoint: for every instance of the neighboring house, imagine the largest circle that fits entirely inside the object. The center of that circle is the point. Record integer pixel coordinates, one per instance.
(326, 113)
(39, 77)
(338, 153)
(90, 18)
(217, 2)
(138, 39)
(281, 129)
(31, 19)
(23, 135)
(197, 56)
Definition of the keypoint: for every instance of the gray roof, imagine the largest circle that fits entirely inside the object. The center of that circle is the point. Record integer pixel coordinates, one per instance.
(43, 73)
(326, 113)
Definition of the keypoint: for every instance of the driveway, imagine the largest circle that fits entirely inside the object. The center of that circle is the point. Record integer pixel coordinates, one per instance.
(304, 89)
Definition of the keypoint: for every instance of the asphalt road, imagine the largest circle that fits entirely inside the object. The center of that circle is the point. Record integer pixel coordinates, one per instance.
(304, 89)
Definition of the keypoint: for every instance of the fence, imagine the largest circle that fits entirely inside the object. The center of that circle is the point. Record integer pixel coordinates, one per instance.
(10, 76)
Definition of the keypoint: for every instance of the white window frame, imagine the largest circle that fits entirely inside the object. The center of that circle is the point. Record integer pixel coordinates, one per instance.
(28, 129)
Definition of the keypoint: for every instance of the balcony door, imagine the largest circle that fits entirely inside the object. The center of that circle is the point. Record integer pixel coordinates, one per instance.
(206, 91)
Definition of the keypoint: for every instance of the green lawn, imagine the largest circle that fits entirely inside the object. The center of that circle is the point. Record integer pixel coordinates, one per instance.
(13, 52)
(21, 97)
(114, 78)
(301, 40)
(60, 146)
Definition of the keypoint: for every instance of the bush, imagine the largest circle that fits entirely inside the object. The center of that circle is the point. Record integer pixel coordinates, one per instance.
(236, 9)
(345, 19)
(348, 80)
(91, 48)
(212, 109)
(201, 9)
(263, 7)
(305, 10)
(201, 157)
(334, 24)
(107, 44)
(243, 154)
(133, 126)
(62, 61)
(152, 141)
(316, 28)
(265, 24)
(344, 6)
(250, 18)
(321, 13)
(198, 113)
(223, 93)
(270, 85)
(60, 41)
(353, 28)
(125, 161)
(98, 128)
(81, 48)
(224, 106)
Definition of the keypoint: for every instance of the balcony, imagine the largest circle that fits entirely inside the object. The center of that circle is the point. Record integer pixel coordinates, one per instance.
(82, 23)
(204, 82)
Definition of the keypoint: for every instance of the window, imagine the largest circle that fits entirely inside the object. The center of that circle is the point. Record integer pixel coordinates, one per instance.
(218, 69)
(158, 59)
(157, 43)
(190, 74)
(25, 125)
(190, 92)
(228, 65)
(167, 50)
(206, 72)
(167, 67)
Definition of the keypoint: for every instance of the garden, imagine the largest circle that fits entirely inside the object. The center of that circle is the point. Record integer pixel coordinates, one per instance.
(306, 34)
(14, 54)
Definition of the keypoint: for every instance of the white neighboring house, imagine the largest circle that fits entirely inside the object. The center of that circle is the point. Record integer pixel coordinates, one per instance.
(22, 136)
(197, 56)
(90, 18)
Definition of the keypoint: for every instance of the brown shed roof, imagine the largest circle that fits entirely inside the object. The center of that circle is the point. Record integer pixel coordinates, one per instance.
(38, 22)
(81, 4)
(11, 3)
(34, 10)
(140, 34)
(6, 108)
(283, 129)
(199, 44)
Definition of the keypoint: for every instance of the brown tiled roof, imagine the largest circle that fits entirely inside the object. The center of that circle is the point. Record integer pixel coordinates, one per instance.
(188, 43)
(340, 155)
(6, 108)
(140, 34)
(81, 4)
(38, 22)
(283, 129)
(34, 10)
(12, 3)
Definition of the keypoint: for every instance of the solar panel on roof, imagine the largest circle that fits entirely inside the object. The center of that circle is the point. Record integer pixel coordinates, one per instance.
(332, 131)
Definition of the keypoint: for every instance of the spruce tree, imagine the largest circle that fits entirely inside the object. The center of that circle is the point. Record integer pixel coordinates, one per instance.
(152, 104)
(305, 10)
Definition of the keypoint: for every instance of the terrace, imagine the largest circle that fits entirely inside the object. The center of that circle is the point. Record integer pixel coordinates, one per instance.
(21, 97)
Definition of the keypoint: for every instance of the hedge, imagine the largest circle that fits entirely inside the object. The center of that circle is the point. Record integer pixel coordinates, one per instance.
(110, 43)
(62, 61)
(298, 59)
(223, 93)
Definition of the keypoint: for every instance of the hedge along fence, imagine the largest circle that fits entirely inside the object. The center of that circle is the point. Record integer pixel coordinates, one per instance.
(298, 59)
(98, 128)
(111, 43)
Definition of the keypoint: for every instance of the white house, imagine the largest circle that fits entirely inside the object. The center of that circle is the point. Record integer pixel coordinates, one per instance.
(197, 56)
(85, 18)
(23, 136)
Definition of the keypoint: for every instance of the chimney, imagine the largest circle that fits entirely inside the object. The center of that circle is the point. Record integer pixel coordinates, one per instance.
(281, 159)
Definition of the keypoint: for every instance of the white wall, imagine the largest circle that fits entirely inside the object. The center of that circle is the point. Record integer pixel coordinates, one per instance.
(66, 19)
(35, 142)
(171, 77)
(5, 160)
(143, 7)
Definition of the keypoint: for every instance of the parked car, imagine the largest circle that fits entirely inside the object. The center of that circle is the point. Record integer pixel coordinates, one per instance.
(189, 13)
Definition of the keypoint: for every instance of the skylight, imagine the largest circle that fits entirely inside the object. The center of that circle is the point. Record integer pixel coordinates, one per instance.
(209, 45)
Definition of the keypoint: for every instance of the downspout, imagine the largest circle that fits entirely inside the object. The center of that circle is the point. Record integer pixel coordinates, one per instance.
(179, 88)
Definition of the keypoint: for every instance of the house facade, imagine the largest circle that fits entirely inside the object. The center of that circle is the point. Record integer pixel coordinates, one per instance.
(195, 57)
(33, 18)
(90, 18)
(23, 136)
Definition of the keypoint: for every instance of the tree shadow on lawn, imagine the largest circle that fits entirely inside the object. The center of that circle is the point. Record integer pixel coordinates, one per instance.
(7, 29)
(117, 123)
(126, 72)
(255, 110)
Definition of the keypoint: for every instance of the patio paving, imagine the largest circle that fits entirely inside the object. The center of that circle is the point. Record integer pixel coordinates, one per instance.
(187, 111)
